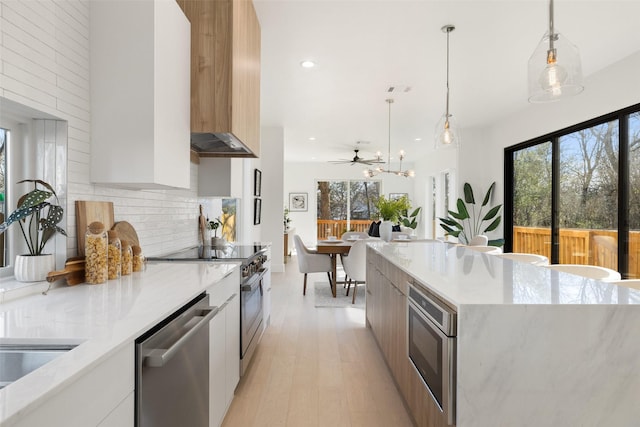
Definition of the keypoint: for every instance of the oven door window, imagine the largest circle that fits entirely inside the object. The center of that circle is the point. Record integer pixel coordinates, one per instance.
(426, 353)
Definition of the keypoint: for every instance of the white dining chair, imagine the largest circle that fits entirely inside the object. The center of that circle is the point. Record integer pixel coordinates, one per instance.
(355, 266)
(588, 271)
(629, 283)
(309, 261)
(534, 259)
(479, 240)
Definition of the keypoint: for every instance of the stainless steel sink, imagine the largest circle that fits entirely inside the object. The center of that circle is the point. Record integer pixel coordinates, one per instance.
(17, 360)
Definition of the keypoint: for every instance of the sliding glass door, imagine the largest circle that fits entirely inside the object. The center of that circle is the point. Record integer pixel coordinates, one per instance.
(574, 195)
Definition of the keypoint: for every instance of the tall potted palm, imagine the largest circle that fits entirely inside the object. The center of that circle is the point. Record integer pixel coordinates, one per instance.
(468, 222)
(38, 219)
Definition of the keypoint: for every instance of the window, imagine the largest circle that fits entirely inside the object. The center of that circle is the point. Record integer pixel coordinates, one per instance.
(4, 136)
(345, 206)
(34, 146)
(570, 194)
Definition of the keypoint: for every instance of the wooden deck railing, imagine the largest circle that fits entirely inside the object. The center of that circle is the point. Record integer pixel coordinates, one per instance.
(329, 227)
(580, 246)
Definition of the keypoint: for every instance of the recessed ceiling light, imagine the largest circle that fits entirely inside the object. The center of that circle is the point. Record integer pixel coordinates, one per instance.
(307, 64)
(312, 138)
(418, 139)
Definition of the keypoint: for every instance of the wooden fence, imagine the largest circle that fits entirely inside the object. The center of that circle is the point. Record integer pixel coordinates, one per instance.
(329, 227)
(580, 246)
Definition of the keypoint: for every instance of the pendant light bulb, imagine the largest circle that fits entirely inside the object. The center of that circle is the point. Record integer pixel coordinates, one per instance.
(555, 70)
(447, 135)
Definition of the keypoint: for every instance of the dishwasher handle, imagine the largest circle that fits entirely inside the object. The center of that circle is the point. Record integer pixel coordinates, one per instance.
(158, 357)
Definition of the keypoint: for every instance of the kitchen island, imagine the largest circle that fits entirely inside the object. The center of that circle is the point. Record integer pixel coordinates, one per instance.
(104, 320)
(534, 346)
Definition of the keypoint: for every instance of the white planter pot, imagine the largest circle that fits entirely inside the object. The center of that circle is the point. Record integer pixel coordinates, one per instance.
(386, 228)
(33, 268)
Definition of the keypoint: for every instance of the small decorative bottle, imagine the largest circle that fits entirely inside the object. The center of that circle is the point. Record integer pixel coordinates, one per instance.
(95, 249)
(114, 255)
(138, 258)
(127, 258)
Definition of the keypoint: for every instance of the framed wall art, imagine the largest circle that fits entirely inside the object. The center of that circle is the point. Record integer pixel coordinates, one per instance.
(298, 202)
(257, 182)
(257, 211)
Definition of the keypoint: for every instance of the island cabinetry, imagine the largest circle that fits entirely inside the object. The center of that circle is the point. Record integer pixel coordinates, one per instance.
(224, 346)
(386, 314)
(102, 397)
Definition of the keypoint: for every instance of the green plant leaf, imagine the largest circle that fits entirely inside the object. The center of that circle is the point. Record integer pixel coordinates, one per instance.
(452, 223)
(496, 242)
(415, 212)
(462, 209)
(468, 194)
(487, 196)
(455, 233)
(493, 225)
(447, 228)
(492, 212)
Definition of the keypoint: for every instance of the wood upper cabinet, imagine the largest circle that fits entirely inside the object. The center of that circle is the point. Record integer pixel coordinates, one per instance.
(225, 70)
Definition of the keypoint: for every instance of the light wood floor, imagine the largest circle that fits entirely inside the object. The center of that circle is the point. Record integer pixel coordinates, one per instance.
(315, 367)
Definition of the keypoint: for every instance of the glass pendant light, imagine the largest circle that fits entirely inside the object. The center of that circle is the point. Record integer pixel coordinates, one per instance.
(554, 67)
(447, 133)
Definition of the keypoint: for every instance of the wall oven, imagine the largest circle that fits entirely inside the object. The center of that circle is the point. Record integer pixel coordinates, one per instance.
(432, 348)
(251, 312)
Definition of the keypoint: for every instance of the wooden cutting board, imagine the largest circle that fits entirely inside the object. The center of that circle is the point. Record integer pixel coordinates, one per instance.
(126, 232)
(88, 211)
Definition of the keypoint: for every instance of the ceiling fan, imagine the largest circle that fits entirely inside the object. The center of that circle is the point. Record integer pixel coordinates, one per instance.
(359, 160)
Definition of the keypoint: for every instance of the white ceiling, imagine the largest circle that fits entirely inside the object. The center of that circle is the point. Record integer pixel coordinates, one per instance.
(362, 47)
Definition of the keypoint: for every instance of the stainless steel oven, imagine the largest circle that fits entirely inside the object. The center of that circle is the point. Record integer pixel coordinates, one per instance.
(432, 348)
(251, 316)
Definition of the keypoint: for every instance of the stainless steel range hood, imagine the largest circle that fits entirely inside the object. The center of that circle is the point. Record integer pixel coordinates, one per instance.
(219, 145)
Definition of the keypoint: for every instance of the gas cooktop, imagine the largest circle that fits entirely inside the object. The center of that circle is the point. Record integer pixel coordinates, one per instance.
(226, 253)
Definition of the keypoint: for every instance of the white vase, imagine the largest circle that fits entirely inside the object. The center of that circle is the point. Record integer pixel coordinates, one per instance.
(33, 268)
(386, 228)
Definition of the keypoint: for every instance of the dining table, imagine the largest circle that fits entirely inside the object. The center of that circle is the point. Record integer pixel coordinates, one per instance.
(334, 248)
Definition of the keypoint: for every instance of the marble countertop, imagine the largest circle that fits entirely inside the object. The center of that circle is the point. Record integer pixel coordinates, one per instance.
(462, 276)
(101, 318)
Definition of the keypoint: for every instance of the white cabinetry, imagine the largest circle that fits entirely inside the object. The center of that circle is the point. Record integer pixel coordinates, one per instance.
(140, 94)
(102, 397)
(220, 177)
(224, 348)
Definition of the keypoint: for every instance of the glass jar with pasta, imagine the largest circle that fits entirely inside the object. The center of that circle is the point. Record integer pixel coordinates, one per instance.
(95, 250)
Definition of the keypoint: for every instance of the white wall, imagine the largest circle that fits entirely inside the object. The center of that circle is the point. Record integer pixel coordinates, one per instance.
(301, 177)
(272, 161)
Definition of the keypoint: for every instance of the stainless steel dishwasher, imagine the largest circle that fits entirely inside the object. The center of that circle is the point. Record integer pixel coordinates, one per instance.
(172, 369)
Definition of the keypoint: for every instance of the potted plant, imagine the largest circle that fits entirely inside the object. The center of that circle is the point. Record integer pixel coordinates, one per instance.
(466, 223)
(43, 219)
(410, 221)
(390, 211)
(214, 225)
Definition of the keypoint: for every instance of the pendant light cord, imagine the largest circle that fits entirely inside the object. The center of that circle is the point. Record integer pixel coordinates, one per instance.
(448, 29)
(389, 101)
(552, 34)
